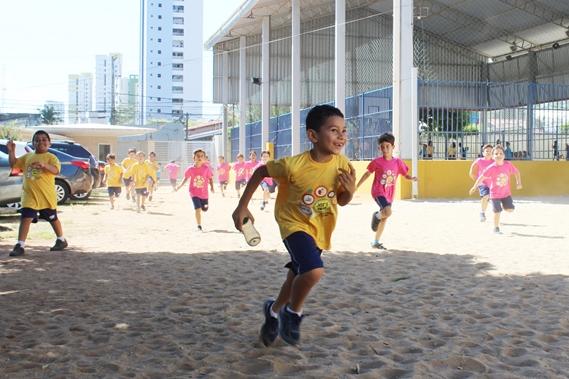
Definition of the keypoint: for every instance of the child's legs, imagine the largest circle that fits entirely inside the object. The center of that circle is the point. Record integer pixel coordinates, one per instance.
(57, 228)
(24, 228)
(497, 219)
(497, 208)
(284, 294)
(484, 197)
(198, 213)
(484, 203)
(266, 195)
(385, 213)
(306, 263)
(380, 229)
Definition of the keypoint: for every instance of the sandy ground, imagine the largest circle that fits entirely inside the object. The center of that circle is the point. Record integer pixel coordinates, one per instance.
(148, 296)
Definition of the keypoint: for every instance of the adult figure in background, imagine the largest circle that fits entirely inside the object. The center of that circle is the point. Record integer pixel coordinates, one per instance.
(555, 150)
(509, 155)
(430, 149)
(567, 151)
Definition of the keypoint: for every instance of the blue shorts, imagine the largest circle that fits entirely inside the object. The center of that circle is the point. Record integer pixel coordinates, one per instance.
(506, 202)
(127, 181)
(114, 191)
(47, 214)
(304, 254)
(200, 203)
(239, 183)
(141, 191)
(484, 190)
(264, 186)
(382, 202)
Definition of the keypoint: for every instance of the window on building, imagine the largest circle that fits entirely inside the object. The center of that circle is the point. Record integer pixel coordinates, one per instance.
(178, 32)
(178, 66)
(159, 5)
(177, 101)
(159, 110)
(158, 75)
(159, 51)
(177, 43)
(159, 28)
(177, 89)
(104, 149)
(178, 8)
(159, 39)
(178, 54)
(159, 63)
(177, 78)
(159, 87)
(160, 17)
(159, 99)
(178, 20)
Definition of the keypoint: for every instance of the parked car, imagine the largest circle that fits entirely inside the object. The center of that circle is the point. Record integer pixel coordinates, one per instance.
(79, 151)
(10, 182)
(74, 179)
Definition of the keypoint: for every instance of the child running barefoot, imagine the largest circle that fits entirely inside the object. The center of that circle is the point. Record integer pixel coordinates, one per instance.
(38, 195)
(476, 169)
(312, 184)
(113, 173)
(240, 168)
(386, 169)
(498, 175)
(222, 174)
(199, 176)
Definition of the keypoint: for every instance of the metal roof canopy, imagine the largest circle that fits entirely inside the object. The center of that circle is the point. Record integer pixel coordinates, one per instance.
(493, 28)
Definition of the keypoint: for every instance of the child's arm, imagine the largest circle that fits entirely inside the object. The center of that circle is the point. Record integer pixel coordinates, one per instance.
(476, 183)
(242, 211)
(471, 171)
(182, 184)
(45, 166)
(518, 177)
(409, 177)
(11, 147)
(211, 184)
(363, 179)
(348, 184)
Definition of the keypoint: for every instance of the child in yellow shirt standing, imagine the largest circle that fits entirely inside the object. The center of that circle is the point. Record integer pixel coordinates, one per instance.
(311, 184)
(139, 172)
(153, 163)
(38, 197)
(113, 173)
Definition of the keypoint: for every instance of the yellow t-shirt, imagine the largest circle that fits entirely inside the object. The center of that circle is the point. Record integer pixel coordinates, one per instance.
(113, 172)
(39, 185)
(306, 201)
(140, 172)
(127, 163)
(152, 164)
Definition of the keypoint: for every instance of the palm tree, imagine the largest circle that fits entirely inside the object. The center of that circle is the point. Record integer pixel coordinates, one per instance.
(48, 115)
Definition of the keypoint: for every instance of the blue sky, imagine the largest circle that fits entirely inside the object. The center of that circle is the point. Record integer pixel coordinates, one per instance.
(43, 41)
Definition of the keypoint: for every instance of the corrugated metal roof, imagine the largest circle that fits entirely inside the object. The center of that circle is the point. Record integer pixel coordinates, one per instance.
(490, 27)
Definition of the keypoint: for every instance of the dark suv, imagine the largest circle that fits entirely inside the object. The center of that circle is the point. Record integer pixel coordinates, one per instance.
(76, 150)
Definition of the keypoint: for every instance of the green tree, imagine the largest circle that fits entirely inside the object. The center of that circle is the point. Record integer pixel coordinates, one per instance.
(48, 115)
(10, 130)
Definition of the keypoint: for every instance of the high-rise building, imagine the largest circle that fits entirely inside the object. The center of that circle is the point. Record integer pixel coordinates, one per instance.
(80, 98)
(172, 58)
(129, 91)
(108, 72)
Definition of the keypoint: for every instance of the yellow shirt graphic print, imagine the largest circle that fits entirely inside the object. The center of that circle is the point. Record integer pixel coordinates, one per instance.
(39, 185)
(306, 201)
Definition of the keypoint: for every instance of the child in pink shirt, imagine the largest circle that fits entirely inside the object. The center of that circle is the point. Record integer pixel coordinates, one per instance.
(267, 185)
(386, 170)
(199, 176)
(476, 169)
(172, 169)
(251, 165)
(240, 169)
(498, 174)
(222, 174)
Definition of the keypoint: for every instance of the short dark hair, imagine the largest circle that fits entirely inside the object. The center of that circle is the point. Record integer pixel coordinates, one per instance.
(198, 151)
(40, 132)
(110, 156)
(386, 137)
(132, 150)
(319, 114)
(266, 152)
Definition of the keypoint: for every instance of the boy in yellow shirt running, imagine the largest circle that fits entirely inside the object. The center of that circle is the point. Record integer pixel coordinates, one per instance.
(311, 184)
(38, 197)
(139, 172)
(113, 173)
(126, 165)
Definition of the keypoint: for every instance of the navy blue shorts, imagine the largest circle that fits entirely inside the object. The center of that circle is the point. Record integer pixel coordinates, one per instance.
(304, 253)
(141, 191)
(47, 214)
(382, 202)
(239, 183)
(264, 186)
(483, 190)
(127, 181)
(114, 191)
(506, 202)
(200, 203)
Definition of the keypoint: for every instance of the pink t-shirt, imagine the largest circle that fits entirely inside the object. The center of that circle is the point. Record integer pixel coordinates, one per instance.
(240, 171)
(223, 172)
(482, 164)
(173, 170)
(500, 179)
(199, 180)
(267, 179)
(251, 166)
(386, 173)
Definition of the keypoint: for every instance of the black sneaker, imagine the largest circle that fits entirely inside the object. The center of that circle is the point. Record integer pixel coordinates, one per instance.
(200, 228)
(17, 251)
(263, 206)
(143, 207)
(289, 326)
(270, 329)
(497, 230)
(59, 245)
(375, 221)
(378, 245)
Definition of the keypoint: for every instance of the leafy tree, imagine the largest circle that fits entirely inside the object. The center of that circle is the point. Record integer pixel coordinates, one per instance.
(10, 130)
(48, 115)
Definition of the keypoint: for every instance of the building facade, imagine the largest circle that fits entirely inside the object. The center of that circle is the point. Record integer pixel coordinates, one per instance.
(172, 59)
(80, 92)
(108, 73)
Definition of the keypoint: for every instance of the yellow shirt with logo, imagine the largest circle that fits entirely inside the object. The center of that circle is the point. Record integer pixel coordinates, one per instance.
(307, 197)
(113, 172)
(39, 184)
(140, 172)
(153, 164)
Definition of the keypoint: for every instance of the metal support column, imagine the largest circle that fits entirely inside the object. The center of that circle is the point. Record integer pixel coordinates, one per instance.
(265, 81)
(295, 79)
(340, 55)
(532, 100)
(414, 130)
(225, 93)
(242, 93)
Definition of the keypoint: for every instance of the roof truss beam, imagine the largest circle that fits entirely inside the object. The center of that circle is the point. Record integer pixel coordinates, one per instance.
(539, 10)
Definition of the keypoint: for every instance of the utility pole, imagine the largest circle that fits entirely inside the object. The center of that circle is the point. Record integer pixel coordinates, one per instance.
(186, 121)
(113, 119)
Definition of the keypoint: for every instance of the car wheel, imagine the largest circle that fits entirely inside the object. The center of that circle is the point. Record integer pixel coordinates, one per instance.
(62, 191)
(17, 205)
(81, 196)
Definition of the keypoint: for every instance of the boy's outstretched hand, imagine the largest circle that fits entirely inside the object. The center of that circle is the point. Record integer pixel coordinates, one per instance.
(472, 190)
(348, 179)
(11, 146)
(239, 215)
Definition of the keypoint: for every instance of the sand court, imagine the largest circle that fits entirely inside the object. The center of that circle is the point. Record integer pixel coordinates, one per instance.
(148, 296)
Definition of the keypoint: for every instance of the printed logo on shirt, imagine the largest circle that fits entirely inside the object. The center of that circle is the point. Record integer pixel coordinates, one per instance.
(502, 180)
(32, 173)
(199, 181)
(319, 201)
(387, 178)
